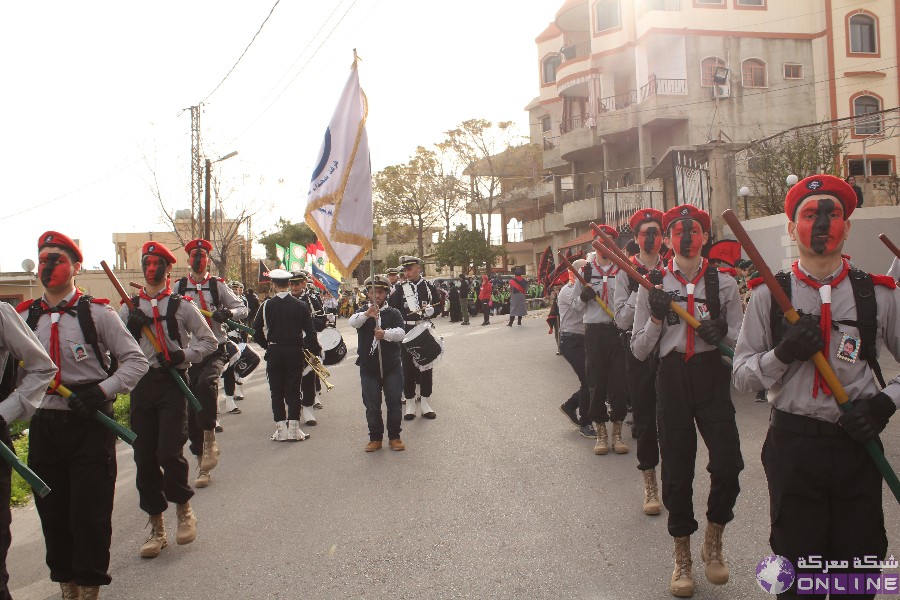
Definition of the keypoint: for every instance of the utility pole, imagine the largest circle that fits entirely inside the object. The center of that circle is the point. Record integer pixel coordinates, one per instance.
(206, 200)
(195, 170)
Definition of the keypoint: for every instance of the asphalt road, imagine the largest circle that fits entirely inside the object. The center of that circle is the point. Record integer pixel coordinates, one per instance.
(499, 497)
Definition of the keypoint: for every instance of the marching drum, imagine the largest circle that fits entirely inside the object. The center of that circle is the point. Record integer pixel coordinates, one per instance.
(333, 346)
(424, 348)
(242, 358)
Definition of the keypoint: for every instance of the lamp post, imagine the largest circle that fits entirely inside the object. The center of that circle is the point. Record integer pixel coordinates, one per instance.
(206, 223)
(744, 193)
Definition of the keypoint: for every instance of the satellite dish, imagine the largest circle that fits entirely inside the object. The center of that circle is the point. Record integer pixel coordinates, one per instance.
(28, 265)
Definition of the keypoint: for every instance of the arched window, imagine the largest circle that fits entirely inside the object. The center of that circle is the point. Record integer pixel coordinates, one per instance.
(549, 67)
(708, 68)
(863, 34)
(753, 73)
(866, 105)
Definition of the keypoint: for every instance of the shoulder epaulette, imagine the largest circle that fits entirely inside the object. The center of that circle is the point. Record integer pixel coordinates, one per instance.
(24, 306)
(728, 271)
(755, 282)
(885, 280)
(99, 301)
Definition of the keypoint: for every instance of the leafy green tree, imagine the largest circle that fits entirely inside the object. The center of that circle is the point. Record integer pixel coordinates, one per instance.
(286, 232)
(467, 249)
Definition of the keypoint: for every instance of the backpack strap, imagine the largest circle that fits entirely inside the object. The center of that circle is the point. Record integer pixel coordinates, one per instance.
(180, 286)
(34, 314)
(89, 331)
(214, 292)
(171, 322)
(866, 319)
(8, 376)
(713, 303)
(776, 316)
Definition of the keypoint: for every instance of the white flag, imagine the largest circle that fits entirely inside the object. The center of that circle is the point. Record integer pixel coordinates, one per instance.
(339, 203)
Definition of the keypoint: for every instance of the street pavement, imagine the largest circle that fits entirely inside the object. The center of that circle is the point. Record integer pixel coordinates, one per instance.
(499, 497)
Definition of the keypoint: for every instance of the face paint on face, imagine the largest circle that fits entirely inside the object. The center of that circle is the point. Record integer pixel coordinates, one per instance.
(55, 268)
(199, 261)
(820, 225)
(687, 236)
(649, 238)
(154, 269)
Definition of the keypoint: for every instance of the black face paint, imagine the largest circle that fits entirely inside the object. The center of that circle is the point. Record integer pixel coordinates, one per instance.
(823, 235)
(49, 268)
(691, 239)
(154, 269)
(651, 234)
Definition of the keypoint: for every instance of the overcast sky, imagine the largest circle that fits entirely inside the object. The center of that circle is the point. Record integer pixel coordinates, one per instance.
(92, 93)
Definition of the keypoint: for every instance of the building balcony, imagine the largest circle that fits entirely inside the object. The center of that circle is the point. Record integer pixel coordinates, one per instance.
(580, 212)
(579, 136)
(575, 15)
(572, 77)
(541, 228)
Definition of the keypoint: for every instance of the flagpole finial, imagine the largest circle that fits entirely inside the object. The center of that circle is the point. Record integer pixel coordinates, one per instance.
(356, 59)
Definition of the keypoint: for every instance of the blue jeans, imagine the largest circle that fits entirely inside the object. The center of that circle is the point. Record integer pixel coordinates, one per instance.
(372, 388)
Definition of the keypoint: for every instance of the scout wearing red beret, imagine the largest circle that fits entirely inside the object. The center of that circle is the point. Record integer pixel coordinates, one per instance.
(686, 211)
(198, 243)
(817, 185)
(643, 215)
(54, 238)
(157, 249)
(608, 230)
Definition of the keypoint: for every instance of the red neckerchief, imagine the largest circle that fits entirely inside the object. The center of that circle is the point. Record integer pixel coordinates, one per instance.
(160, 335)
(613, 271)
(198, 287)
(689, 288)
(639, 266)
(825, 317)
(55, 313)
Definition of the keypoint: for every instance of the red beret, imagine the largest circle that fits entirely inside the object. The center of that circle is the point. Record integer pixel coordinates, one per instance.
(157, 249)
(611, 232)
(643, 215)
(686, 211)
(198, 243)
(817, 185)
(54, 238)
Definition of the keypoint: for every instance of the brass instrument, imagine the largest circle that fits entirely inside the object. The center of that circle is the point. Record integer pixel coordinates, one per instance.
(316, 365)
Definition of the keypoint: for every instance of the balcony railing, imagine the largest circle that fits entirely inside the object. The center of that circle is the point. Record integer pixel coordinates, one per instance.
(619, 206)
(648, 5)
(572, 124)
(574, 51)
(664, 87)
(551, 142)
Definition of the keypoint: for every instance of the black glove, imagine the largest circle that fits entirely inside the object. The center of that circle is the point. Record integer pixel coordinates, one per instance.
(660, 302)
(587, 294)
(176, 357)
(713, 331)
(221, 315)
(800, 341)
(136, 321)
(868, 417)
(655, 277)
(632, 285)
(588, 272)
(87, 402)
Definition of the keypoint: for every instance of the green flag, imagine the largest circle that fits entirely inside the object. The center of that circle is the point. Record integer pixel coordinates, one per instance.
(298, 255)
(282, 258)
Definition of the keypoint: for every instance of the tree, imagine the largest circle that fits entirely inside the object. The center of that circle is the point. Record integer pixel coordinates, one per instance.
(286, 232)
(404, 193)
(477, 144)
(891, 188)
(801, 153)
(450, 191)
(467, 249)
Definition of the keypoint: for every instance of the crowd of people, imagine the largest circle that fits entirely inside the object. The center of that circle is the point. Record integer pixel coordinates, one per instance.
(679, 377)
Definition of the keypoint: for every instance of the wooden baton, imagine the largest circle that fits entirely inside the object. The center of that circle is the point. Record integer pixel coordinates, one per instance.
(31, 478)
(889, 244)
(821, 363)
(192, 399)
(584, 283)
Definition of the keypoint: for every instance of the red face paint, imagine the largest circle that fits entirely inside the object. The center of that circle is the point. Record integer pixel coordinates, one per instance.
(687, 237)
(649, 238)
(820, 225)
(55, 268)
(154, 269)
(199, 261)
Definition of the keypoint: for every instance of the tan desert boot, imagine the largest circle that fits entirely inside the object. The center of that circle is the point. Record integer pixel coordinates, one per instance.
(716, 569)
(652, 504)
(210, 457)
(602, 445)
(682, 584)
(618, 445)
(69, 591)
(187, 524)
(157, 539)
(89, 592)
(373, 446)
(397, 445)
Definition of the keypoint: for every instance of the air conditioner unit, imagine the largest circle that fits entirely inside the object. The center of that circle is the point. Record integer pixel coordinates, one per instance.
(721, 91)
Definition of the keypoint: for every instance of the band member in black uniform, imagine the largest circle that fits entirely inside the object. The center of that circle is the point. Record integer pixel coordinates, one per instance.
(313, 303)
(380, 330)
(415, 298)
(281, 326)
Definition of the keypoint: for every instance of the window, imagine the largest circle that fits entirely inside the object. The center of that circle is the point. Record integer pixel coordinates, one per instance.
(750, 3)
(876, 167)
(708, 68)
(546, 124)
(793, 71)
(606, 14)
(550, 64)
(866, 105)
(753, 73)
(709, 3)
(863, 34)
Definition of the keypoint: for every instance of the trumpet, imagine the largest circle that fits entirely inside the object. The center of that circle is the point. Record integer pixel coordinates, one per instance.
(316, 365)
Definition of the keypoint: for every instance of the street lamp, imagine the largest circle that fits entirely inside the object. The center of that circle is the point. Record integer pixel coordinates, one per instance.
(206, 223)
(791, 180)
(744, 193)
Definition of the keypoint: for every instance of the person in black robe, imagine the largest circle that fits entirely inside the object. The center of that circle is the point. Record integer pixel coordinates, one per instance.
(455, 308)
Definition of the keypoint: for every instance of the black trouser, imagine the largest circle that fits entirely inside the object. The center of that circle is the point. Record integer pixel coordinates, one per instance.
(697, 391)
(228, 381)
(5, 512)
(284, 368)
(373, 387)
(160, 420)
(486, 307)
(412, 376)
(204, 382)
(308, 388)
(571, 346)
(605, 368)
(76, 457)
(511, 319)
(642, 392)
(464, 307)
(824, 494)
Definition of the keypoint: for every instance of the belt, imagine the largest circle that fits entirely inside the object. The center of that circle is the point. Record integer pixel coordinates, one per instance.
(804, 425)
(76, 388)
(713, 356)
(164, 372)
(53, 414)
(563, 334)
(601, 325)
